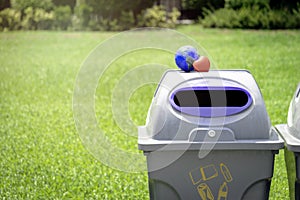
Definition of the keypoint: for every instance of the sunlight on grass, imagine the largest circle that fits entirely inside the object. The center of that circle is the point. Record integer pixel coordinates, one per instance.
(42, 155)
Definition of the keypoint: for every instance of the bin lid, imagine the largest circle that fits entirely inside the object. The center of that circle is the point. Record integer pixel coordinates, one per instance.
(291, 131)
(218, 98)
(219, 109)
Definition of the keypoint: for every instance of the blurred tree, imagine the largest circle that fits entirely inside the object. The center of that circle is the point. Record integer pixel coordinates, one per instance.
(83, 14)
(170, 4)
(284, 4)
(4, 4)
(22, 4)
(237, 4)
(62, 16)
(273, 4)
(112, 9)
(192, 9)
(70, 3)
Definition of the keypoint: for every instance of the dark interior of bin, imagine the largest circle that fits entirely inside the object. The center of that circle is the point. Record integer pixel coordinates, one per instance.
(211, 98)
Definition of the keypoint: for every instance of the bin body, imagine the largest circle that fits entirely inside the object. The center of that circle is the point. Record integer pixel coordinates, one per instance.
(291, 134)
(217, 175)
(208, 136)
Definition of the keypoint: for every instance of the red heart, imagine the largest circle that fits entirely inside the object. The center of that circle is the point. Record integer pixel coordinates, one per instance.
(202, 64)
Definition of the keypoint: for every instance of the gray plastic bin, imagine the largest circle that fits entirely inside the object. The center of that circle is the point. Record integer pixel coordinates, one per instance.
(291, 134)
(208, 136)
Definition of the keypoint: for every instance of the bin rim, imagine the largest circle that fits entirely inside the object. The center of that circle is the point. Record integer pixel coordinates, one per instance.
(292, 143)
(275, 142)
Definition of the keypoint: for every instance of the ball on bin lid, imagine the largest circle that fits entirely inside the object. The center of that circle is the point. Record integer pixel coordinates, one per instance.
(185, 57)
(202, 64)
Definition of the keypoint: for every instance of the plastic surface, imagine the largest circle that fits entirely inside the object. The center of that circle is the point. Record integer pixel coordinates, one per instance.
(232, 175)
(234, 133)
(165, 124)
(291, 135)
(291, 131)
(294, 114)
(197, 141)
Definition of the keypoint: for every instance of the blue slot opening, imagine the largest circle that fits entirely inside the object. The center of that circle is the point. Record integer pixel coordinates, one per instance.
(211, 102)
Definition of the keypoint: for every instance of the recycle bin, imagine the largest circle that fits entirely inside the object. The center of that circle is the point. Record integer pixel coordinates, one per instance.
(208, 136)
(291, 134)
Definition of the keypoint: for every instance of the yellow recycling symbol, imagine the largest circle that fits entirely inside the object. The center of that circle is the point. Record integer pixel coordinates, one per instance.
(202, 174)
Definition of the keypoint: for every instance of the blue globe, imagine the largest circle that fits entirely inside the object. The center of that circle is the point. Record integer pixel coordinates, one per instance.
(185, 56)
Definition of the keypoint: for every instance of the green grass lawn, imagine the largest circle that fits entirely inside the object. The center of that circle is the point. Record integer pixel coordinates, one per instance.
(41, 155)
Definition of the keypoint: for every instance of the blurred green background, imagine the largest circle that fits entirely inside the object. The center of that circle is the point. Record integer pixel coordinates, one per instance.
(115, 15)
